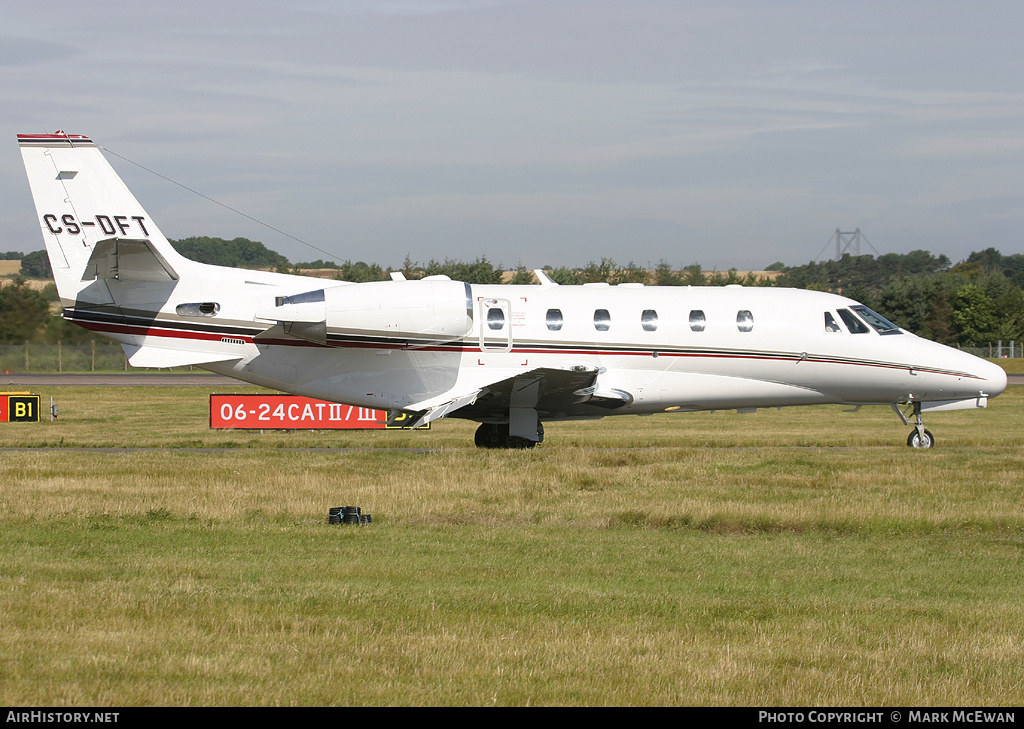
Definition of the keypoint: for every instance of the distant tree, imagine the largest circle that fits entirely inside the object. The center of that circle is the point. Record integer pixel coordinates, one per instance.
(36, 265)
(975, 318)
(11, 256)
(665, 276)
(861, 293)
(411, 269)
(23, 312)
(939, 324)
(522, 276)
(693, 276)
(717, 278)
(601, 272)
(236, 253)
(316, 265)
(908, 302)
(752, 279)
(566, 276)
(360, 272)
(993, 262)
(861, 273)
(777, 266)
(59, 329)
(989, 260)
(630, 273)
(49, 292)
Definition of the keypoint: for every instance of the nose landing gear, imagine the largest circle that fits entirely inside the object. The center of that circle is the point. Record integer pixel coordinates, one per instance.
(923, 439)
(919, 437)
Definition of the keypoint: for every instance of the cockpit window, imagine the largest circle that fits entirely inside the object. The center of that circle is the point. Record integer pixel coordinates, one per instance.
(831, 325)
(877, 321)
(855, 325)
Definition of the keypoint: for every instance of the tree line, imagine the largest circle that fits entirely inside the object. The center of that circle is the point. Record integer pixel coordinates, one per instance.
(971, 303)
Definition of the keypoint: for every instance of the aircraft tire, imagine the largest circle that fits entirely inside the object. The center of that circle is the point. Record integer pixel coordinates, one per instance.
(491, 435)
(914, 440)
(495, 435)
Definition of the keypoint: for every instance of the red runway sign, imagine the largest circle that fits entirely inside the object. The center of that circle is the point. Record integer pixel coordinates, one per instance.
(275, 412)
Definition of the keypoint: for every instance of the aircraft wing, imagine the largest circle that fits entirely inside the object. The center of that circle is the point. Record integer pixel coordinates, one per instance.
(549, 391)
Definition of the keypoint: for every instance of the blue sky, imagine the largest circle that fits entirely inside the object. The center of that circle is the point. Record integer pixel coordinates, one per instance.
(729, 134)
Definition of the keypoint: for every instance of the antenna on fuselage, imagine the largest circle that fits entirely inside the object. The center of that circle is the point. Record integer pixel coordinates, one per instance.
(544, 279)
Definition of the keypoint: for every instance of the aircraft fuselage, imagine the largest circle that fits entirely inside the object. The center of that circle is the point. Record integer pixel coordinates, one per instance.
(509, 357)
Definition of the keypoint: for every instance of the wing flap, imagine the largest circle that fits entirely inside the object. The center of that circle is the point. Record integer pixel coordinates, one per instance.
(439, 411)
(546, 390)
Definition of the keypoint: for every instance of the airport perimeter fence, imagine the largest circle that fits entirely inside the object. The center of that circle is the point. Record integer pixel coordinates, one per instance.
(85, 357)
(998, 350)
(109, 357)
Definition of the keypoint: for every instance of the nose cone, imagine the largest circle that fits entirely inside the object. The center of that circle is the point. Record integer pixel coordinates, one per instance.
(958, 375)
(994, 377)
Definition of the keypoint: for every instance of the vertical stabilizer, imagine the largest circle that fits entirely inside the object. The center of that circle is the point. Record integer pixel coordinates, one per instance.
(86, 212)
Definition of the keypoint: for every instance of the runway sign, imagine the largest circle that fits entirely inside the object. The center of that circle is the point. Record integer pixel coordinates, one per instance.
(291, 412)
(19, 407)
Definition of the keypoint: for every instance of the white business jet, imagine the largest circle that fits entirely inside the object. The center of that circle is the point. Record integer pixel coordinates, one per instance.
(508, 357)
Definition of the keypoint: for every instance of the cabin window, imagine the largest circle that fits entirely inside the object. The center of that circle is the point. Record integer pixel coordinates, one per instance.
(744, 320)
(602, 320)
(649, 320)
(495, 319)
(697, 320)
(206, 308)
(554, 319)
(877, 321)
(831, 325)
(855, 325)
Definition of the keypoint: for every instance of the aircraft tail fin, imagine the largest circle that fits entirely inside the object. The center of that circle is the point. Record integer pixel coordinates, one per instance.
(92, 225)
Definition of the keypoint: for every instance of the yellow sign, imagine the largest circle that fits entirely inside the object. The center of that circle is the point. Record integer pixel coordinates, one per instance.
(19, 408)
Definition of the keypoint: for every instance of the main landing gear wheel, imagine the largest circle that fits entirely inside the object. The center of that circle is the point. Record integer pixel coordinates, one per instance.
(920, 439)
(496, 435)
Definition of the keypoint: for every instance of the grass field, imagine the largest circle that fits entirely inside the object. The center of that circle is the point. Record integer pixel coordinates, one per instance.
(797, 557)
(1012, 366)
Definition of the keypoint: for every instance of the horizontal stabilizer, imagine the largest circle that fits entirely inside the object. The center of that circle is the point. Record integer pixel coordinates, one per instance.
(127, 259)
(160, 357)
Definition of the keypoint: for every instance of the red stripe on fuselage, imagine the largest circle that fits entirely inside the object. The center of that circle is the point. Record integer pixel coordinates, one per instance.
(150, 331)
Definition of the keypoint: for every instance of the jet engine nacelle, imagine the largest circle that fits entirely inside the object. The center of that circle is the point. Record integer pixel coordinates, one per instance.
(426, 310)
(439, 310)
